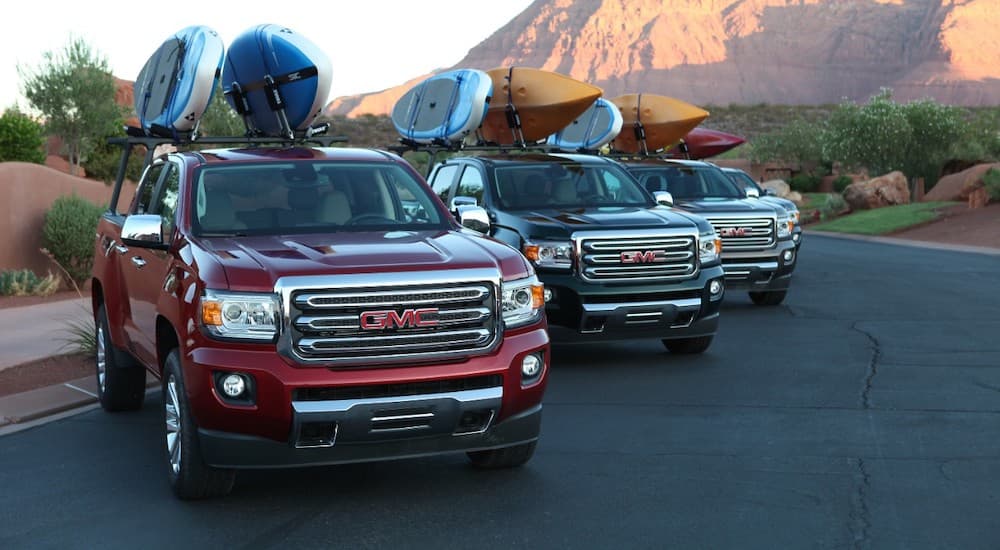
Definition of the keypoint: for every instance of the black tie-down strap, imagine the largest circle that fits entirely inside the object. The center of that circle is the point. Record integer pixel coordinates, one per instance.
(271, 86)
(638, 128)
(513, 118)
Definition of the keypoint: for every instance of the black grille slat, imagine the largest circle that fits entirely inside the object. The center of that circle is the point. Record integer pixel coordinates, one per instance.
(669, 257)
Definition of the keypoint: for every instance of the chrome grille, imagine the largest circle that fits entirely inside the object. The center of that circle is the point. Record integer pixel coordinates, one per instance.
(756, 232)
(372, 323)
(643, 255)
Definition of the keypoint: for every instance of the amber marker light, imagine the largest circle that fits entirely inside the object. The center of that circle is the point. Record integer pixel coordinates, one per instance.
(531, 252)
(718, 246)
(211, 313)
(537, 296)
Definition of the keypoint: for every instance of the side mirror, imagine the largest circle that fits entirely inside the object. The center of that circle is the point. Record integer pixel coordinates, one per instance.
(144, 231)
(753, 193)
(664, 198)
(473, 217)
(768, 192)
(462, 201)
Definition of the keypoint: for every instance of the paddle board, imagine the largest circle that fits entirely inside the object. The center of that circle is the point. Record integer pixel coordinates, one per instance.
(276, 79)
(594, 129)
(530, 104)
(176, 83)
(443, 108)
(652, 122)
(703, 143)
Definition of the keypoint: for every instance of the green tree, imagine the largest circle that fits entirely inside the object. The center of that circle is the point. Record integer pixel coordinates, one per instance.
(221, 120)
(882, 135)
(21, 138)
(800, 141)
(75, 93)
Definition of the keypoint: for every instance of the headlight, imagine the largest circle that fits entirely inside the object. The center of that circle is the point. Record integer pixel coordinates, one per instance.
(709, 247)
(522, 301)
(558, 254)
(243, 316)
(793, 215)
(784, 227)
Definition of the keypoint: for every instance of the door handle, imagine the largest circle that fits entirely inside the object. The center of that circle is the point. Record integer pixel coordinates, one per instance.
(139, 262)
(122, 249)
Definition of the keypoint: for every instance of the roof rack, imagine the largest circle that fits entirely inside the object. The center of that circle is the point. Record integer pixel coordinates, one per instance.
(137, 136)
(434, 149)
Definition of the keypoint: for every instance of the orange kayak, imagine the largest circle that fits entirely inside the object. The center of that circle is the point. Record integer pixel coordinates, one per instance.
(664, 120)
(545, 102)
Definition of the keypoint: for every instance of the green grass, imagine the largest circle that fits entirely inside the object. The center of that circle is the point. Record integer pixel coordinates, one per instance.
(884, 220)
(813, 200)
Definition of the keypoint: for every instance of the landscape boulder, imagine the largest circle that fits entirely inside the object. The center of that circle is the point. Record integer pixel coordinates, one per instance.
(887, 190)
(958, 186)
(778, 187)
(795, 197)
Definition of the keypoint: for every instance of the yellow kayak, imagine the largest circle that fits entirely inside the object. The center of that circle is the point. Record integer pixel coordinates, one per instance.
(665, 121)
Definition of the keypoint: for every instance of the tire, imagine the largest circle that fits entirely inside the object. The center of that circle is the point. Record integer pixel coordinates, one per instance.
(507, 457)
(768, 298)
(688, 346)
(121, 380)
(189, 476)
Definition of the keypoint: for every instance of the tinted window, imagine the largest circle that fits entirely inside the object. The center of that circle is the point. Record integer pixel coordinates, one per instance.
(443, 179)
(471, 184)
(144, 194)
(688, 182)
(275, 198)
(166, 205)
(742, 179)
(566, 185)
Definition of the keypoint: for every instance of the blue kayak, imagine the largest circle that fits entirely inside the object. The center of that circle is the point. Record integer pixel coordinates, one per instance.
(443, 108)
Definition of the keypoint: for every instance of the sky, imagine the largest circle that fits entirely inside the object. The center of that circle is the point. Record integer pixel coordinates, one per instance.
(372, 44)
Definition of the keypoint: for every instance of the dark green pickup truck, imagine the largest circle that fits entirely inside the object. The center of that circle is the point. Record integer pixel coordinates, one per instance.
(615, 263)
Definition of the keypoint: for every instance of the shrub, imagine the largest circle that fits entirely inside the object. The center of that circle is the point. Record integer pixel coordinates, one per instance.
(21, 138)
(841, 183)
(68, 233)
(991, 179)
(835, 204)
(804, 183)
(24, 282)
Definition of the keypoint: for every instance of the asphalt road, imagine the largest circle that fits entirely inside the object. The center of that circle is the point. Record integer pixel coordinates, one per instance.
(864, 413)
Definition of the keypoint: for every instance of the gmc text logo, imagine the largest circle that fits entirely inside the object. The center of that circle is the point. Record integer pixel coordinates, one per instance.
(408, 318)
(732, 232)
(640, 256)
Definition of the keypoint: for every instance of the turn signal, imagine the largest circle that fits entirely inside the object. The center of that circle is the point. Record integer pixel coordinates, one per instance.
(211, 313)
(531, 252)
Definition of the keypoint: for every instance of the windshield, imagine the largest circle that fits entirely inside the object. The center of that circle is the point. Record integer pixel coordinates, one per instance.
(566, 185)
(688, 182)
(303, 197)
(741, 178)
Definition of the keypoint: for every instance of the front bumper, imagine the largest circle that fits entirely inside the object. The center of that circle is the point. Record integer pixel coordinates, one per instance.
(582, 312)
(763, 271)
(229, 450)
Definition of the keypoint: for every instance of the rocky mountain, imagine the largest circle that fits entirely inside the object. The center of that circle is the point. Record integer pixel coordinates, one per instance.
(749, 51)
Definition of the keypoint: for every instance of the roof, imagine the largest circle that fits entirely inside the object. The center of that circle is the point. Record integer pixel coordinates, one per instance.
(285, 154)
(508, 159)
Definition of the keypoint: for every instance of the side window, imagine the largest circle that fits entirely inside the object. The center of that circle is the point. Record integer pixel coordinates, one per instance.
(443, 179)
(144, 194)
(166, 205)
(471, 185)
(612, 185)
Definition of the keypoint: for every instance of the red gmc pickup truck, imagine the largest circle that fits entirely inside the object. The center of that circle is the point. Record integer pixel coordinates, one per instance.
(313, 305)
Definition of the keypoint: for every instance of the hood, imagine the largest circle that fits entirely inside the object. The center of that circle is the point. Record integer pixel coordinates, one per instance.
(255, 263)
(565, 221)
(784, 203)
(710, 206)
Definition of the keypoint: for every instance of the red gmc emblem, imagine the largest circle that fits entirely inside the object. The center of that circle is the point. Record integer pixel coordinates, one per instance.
(733, 232)
(408, 318)
(640, 256)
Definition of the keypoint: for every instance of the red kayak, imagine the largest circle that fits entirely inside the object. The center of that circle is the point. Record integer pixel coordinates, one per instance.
(703, 143)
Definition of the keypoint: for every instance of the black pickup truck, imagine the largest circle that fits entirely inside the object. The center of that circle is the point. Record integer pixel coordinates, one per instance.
(758, 253)
(615, 263)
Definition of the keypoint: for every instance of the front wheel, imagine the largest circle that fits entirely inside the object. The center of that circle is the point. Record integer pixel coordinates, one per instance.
(688, 346)
(189, 476)
(768, 298)
(507, 457)
(121, 381)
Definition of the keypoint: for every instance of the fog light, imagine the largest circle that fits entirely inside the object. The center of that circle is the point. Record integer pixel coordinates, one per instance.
(715, 287)
(233, 385)
(787, 256)
(531, 365)
(549, 294)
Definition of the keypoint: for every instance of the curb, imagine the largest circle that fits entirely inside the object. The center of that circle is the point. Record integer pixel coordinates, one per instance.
(908, 242)
(43, 402)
